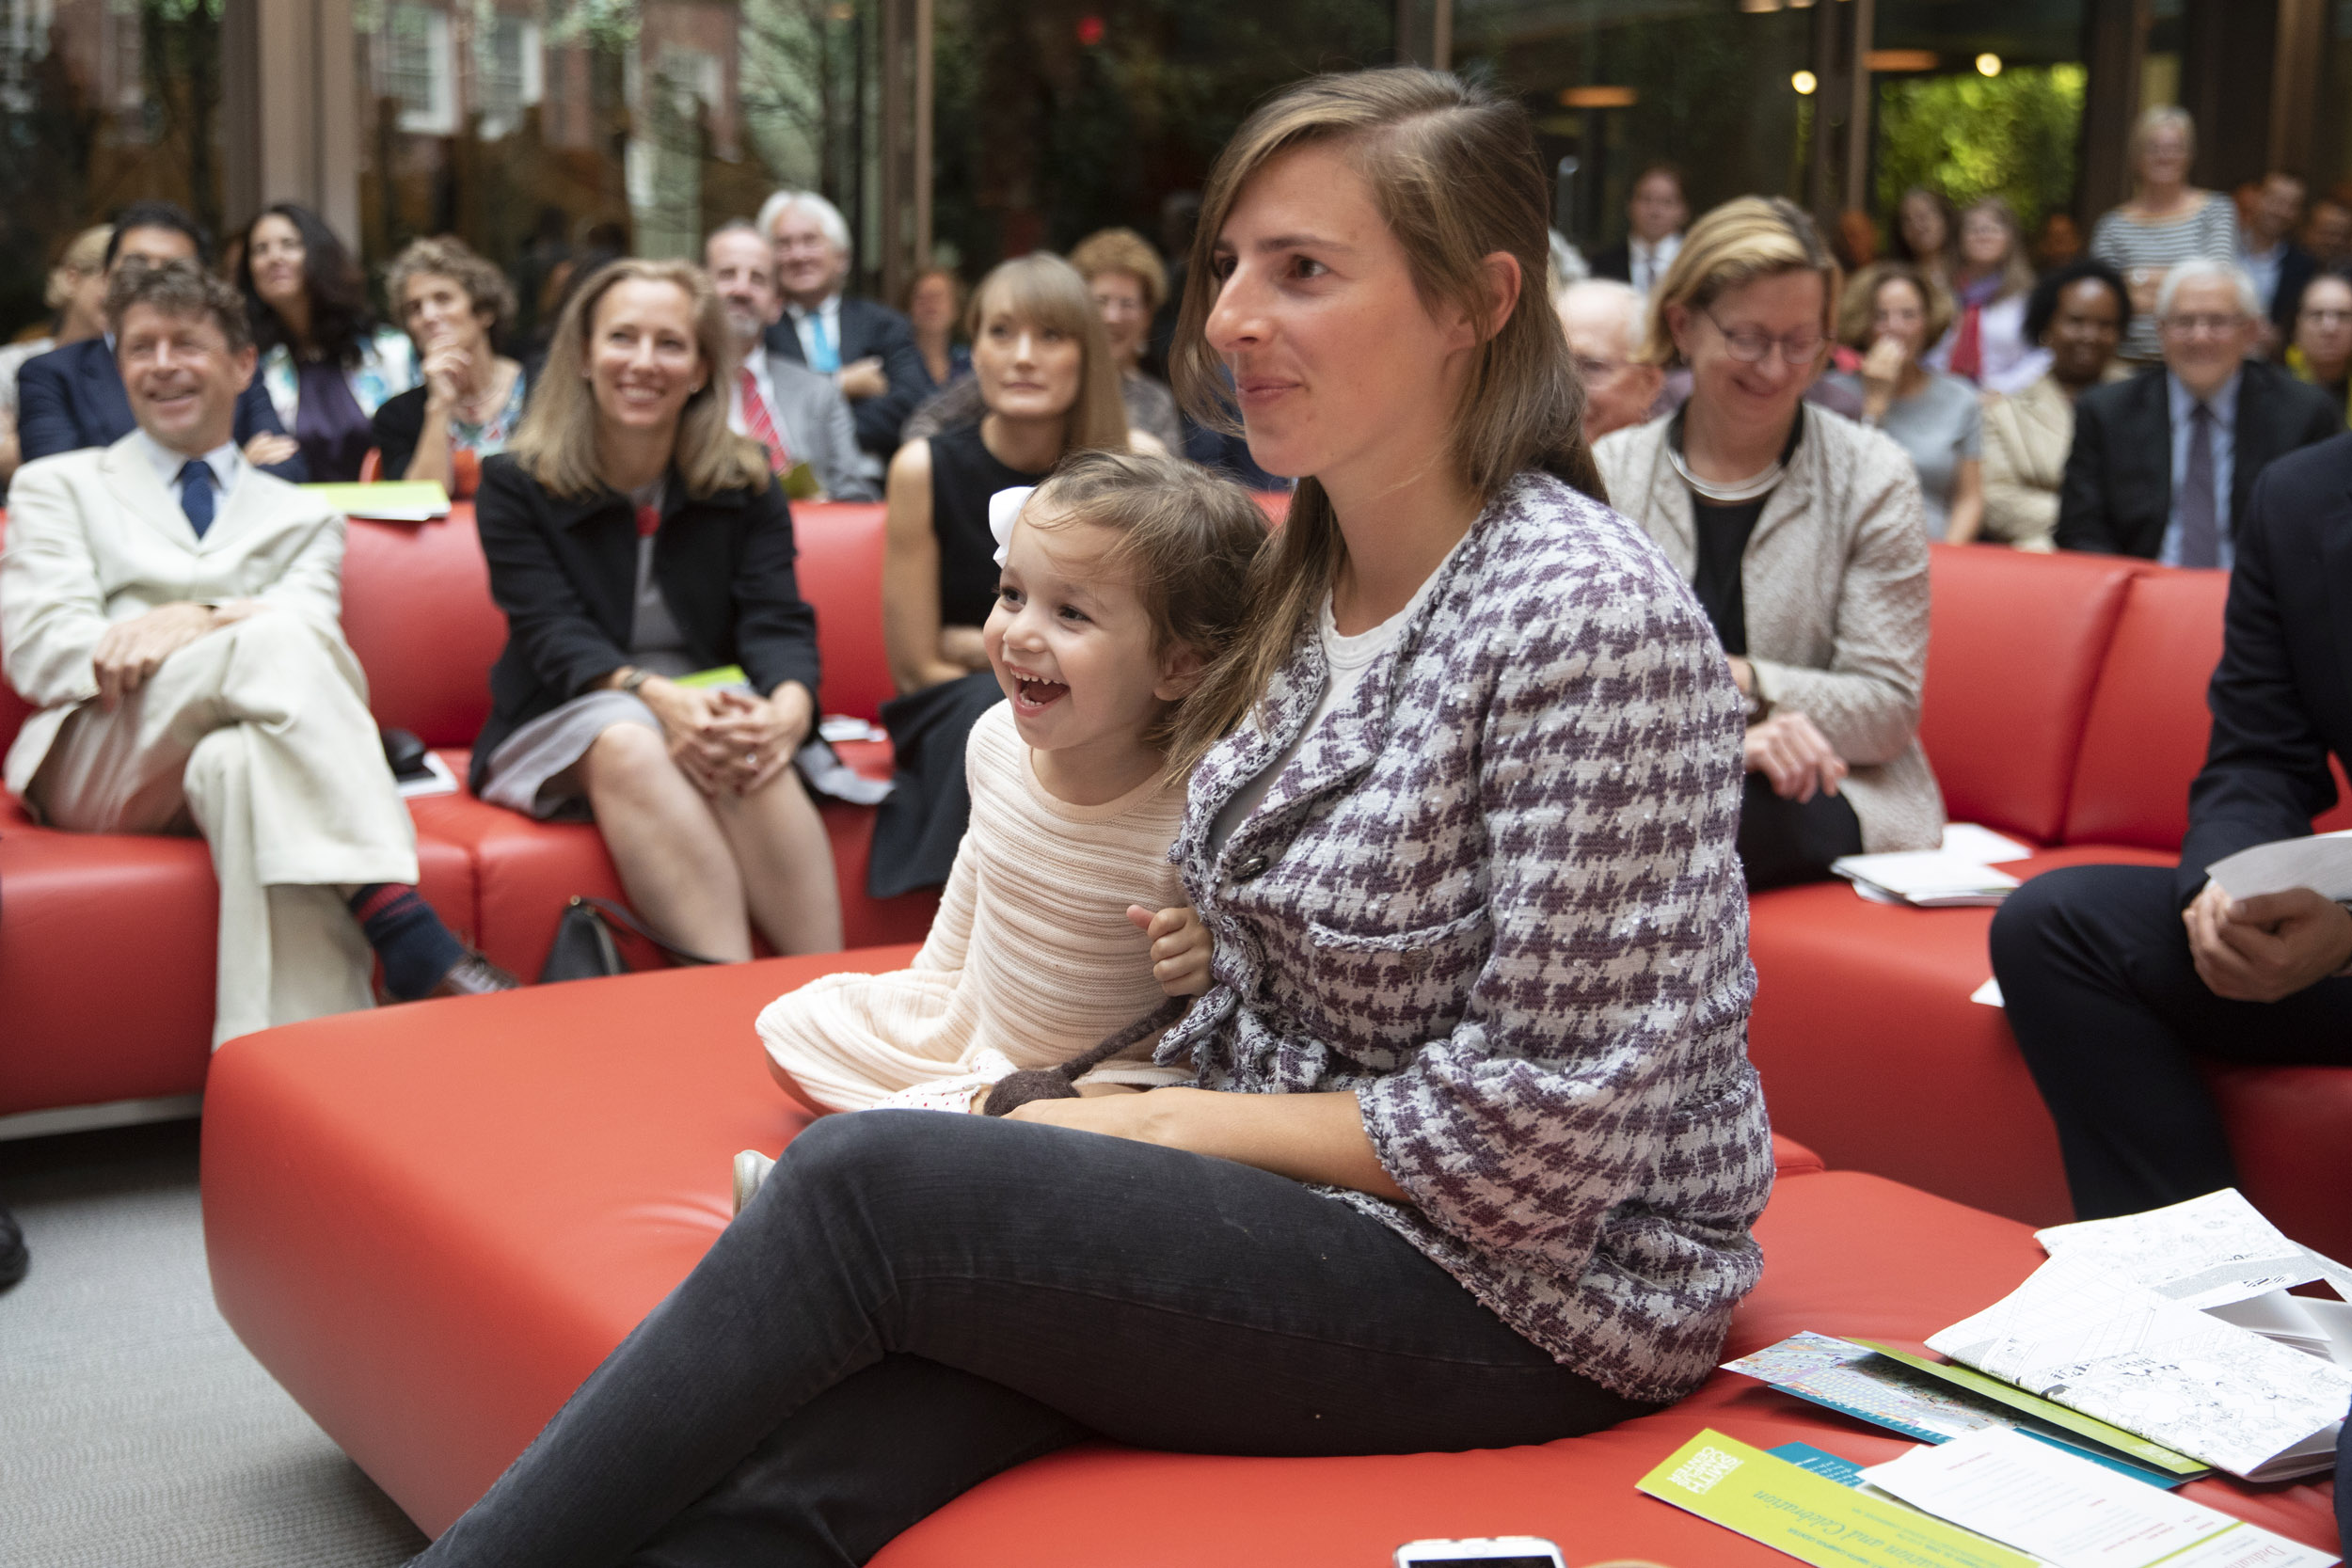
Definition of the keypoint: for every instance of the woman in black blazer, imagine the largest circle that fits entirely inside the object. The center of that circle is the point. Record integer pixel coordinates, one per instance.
(632, 540)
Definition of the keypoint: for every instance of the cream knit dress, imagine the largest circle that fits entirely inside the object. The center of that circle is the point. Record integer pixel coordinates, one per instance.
(1030, 961)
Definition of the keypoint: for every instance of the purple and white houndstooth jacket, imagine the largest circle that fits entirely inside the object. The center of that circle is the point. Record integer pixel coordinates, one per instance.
(1497, 896)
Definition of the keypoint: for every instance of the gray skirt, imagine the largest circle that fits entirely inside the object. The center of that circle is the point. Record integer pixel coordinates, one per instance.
(526, 771)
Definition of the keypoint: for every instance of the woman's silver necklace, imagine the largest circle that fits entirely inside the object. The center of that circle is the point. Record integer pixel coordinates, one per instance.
(1738, 490)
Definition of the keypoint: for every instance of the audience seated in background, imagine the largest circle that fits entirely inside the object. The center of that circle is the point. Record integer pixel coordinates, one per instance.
(73, 397)
(1655, 214)
(2059, 243)
(633, 539)
(2078, 315)
(325, 362)
(2118, 980)
(796, 415)
(1605, 321)
(865, 346)
(1128, 283)
(2267, 251)
(1049, 386)
(1114, 264)
(2328, 232)
(2321, 352)
(935, 310)
(1988, 343)
(2166, 222)
(1926, 235)
(76, 297)
(453, 304)
(174, 617)
(2163, 462)
(1857, 239)
(1890, 314)
(1800, 534)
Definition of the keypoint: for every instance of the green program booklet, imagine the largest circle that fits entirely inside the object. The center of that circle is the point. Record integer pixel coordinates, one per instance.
(391, 502)
(1810, 1517)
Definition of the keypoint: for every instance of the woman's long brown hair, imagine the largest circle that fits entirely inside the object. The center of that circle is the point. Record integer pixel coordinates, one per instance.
(557, 442)
(1454, 171)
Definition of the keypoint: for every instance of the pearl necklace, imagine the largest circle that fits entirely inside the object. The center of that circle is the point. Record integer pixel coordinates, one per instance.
(1739, 490)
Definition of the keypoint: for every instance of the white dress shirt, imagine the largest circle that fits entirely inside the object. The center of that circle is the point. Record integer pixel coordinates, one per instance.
(831, 312)
(1648, 262)
(756, 361)
(225, 463)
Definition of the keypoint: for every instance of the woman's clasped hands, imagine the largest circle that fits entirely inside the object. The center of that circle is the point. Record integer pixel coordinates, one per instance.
(727, 740)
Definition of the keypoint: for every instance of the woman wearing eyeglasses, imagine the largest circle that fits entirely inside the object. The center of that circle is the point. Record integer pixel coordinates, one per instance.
(1804, 537)
(2321, 350)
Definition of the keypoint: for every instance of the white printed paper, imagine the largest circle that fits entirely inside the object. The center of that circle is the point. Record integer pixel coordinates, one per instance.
(1927, 877)
(2322, 863)
(2073, 1514)
(2206, 1252)
(1970, 842)
(1988, 994)
(2094, 1342)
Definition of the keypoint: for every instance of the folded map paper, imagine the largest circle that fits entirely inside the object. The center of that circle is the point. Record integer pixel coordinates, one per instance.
(2207, 1252)
(2072, 1514)
(2096, 1341)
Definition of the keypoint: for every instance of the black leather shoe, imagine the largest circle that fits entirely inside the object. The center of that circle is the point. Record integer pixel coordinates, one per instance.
(474, 975)
(13, 1257)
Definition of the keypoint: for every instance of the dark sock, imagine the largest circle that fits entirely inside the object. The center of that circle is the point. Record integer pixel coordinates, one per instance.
(416, 947)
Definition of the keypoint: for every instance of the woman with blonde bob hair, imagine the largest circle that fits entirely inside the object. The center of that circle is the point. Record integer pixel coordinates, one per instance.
(1048, 386)
(634, 540)
(1470, 1151)
(1803, 536)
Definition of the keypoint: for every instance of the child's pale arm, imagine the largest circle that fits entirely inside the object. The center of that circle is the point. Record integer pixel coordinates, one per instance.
(1181, 947)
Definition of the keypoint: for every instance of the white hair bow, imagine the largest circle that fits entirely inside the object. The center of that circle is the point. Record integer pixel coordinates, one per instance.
(1003, 507)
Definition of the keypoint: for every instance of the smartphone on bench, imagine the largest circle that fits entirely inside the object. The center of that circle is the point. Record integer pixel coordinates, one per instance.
(1494, 1551)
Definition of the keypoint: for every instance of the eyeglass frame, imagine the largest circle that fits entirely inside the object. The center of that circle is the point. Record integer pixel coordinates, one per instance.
(1765, 351)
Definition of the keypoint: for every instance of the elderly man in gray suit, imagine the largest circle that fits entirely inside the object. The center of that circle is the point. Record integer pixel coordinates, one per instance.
(797, 415)
(173, 613)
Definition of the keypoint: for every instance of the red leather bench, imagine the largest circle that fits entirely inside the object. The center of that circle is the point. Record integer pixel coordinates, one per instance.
(431, 1222)
(82, 911)
(2065, 708)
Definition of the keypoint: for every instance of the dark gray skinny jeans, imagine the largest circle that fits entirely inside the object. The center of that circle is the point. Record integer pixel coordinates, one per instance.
(915, 1302)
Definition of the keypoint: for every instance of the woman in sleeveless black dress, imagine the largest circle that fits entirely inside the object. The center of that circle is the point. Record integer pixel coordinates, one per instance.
(1045, 373)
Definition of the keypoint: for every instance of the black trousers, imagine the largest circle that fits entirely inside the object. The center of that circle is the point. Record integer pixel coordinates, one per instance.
(2105, 1002)
(921, 822)
(1783, 841)
(915, 1302)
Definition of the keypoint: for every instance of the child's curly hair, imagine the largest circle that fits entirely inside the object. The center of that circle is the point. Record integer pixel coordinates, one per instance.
(1186, 539)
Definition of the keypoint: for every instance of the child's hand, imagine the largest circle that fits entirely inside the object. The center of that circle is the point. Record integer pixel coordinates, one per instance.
(1180, 948)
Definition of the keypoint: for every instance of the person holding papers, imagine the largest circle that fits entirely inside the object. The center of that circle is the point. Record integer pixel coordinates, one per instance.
(2119, 979)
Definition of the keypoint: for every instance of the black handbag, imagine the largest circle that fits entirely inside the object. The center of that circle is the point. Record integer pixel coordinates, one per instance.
(584, 948)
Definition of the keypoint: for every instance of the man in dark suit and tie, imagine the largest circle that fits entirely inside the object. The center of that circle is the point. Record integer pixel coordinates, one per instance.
(2117, 978)
(865, 347)
(73, 397)
(1656, 212)
(2164, 463)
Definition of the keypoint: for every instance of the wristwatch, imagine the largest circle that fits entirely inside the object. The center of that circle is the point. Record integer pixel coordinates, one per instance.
(635, 678)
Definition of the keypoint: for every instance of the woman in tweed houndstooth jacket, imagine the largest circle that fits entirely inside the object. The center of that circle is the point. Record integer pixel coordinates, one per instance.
(1473, 1149)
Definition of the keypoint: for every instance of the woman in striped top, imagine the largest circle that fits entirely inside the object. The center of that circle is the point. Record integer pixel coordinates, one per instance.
(2166, 223)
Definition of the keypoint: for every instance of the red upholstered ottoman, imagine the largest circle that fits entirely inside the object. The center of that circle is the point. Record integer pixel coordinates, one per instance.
(431, 1222)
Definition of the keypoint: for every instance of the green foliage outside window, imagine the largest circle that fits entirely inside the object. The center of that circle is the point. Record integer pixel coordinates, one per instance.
(1967, 136)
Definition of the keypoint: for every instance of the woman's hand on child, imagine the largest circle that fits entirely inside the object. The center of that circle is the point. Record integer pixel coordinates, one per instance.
(1180, 948)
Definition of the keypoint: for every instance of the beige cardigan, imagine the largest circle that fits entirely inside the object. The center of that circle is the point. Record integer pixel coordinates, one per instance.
(1835, 580)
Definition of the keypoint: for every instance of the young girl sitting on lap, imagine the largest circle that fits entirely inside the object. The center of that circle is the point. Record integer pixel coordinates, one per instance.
(1123, 577)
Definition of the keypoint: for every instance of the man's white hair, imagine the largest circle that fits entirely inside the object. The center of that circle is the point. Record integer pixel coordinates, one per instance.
(1629, 302)
(828, 215)
(2204, 270)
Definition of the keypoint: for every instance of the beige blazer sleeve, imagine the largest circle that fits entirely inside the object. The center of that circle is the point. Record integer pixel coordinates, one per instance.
(53, 608)
(1866, 702)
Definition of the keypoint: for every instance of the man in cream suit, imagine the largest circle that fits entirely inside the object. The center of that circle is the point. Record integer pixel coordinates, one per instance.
(173, 613)
(808, 418)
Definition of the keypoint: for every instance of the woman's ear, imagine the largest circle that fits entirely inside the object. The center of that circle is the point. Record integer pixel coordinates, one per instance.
(1504, 282)
(1181, 668)
(1678, 328)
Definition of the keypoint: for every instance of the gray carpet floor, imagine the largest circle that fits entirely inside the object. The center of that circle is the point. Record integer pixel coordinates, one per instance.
(134, 1430)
